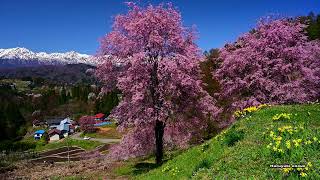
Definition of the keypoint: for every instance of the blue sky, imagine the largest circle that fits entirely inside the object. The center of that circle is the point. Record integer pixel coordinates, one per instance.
(65, 25)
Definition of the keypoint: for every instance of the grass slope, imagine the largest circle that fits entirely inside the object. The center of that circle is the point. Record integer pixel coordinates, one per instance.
(249, 157)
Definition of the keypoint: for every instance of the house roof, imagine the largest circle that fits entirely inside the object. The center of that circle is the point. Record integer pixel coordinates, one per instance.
(41, 131)
(66, 120)
(55, 121)
(100, 115)
(54, 131)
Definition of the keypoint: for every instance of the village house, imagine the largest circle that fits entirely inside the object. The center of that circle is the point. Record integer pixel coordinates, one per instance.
(54, 134)
(99, 117)
(54, 122)
(38, 134)
(65, 125)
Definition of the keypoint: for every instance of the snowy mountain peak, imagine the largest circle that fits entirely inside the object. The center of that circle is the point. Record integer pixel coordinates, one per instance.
(20, 54)
(17, 53)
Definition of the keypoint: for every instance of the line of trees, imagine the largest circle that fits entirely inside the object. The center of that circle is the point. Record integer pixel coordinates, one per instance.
(12, 123)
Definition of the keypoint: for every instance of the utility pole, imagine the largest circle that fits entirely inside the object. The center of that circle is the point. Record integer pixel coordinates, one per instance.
(68, 152)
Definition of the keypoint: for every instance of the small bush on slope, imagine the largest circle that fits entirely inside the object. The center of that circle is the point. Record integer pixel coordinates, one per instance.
(250, 156)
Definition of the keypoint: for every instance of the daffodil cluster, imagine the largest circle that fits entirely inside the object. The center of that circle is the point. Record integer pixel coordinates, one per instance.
(282, 116)
(290, 141)
(249, 110)
(277, 139)
(301, 171)
(173, 171)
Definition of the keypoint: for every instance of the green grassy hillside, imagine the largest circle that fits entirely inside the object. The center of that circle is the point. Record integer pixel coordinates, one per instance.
(251, 145)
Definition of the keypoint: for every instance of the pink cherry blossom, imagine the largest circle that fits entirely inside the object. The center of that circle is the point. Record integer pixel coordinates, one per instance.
(159, 78)
(274, 63)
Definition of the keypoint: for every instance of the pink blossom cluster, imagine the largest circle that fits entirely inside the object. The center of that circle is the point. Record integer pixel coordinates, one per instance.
(274, 63)
(87, 124)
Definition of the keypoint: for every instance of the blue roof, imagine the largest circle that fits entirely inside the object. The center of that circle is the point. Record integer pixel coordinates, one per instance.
(41, 131)
(103, 123)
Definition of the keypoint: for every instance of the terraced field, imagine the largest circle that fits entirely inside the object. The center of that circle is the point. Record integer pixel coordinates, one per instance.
(65, 154)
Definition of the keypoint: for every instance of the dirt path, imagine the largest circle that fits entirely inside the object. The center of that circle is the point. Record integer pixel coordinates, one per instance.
(103, 140)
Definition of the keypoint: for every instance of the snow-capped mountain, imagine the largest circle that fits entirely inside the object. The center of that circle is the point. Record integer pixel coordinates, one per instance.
(24, 57)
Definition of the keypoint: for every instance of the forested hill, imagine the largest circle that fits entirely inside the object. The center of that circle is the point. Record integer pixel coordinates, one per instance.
(56, 74)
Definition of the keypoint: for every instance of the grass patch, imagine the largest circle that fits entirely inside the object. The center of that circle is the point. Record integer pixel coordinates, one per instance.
(137, 166)
(248, 156)
(87, 145)
(106, 131)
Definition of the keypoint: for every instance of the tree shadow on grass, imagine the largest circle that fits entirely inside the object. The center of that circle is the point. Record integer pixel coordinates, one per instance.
(144, 167)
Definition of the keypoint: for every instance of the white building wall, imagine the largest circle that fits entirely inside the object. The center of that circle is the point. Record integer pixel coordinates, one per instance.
(65, 134)
(54, 137)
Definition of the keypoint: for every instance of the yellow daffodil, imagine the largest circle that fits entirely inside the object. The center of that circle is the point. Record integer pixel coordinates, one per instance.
(303, 174)
(271, 133)
(286, 170)
(308, 142)
(288, 144)
(309, 164)
(297, 142)
(262, 106)
(250, 109)
(274, 148)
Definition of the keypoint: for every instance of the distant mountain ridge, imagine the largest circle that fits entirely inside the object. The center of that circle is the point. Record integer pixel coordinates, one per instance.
(22, 57)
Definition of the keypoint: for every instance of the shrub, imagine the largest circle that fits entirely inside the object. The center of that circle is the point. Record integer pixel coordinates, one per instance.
(233, 135)
(204, 164)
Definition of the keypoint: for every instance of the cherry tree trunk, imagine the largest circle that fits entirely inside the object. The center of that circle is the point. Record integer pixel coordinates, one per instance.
(159, 131)
(157, 103)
